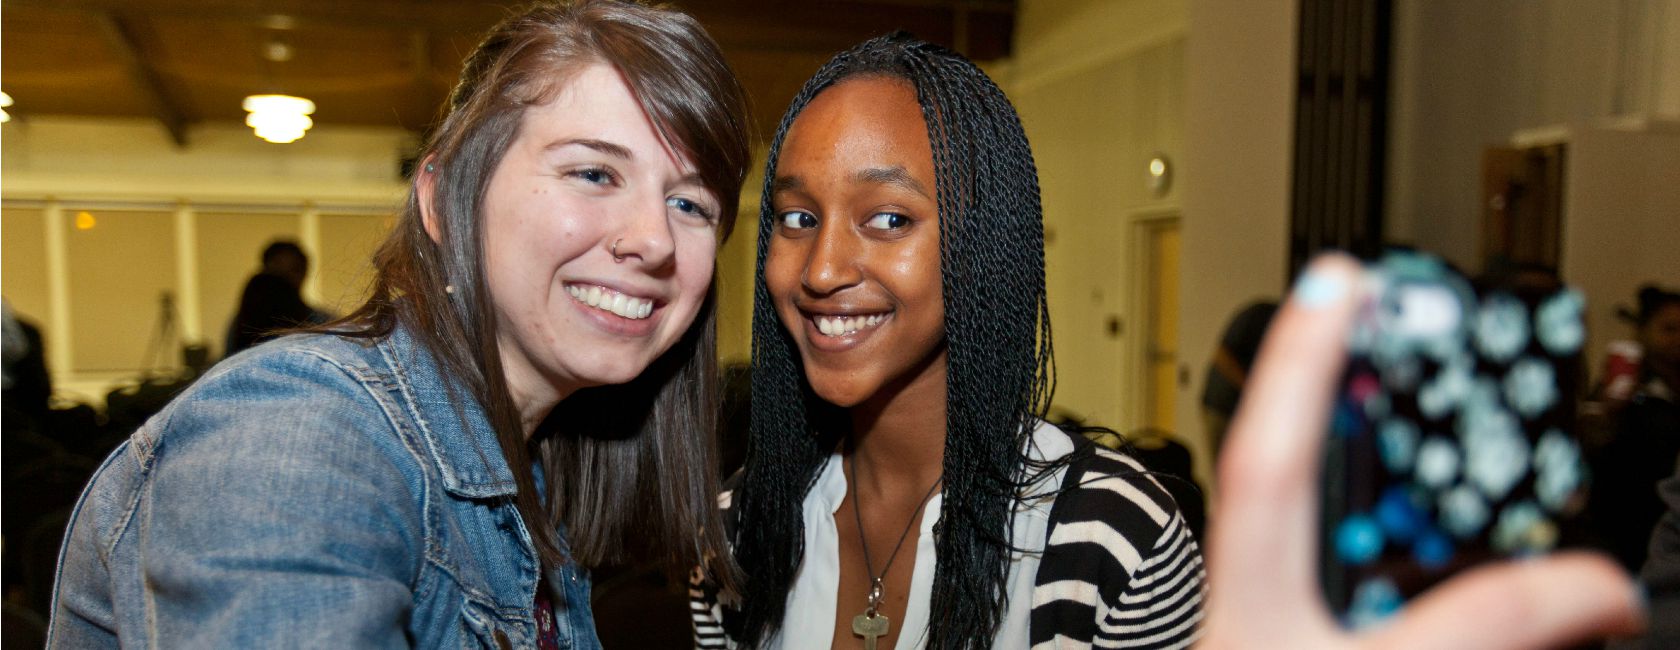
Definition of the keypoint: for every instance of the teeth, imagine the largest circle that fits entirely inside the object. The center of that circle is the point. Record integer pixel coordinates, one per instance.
(844, 325)
(612, 301)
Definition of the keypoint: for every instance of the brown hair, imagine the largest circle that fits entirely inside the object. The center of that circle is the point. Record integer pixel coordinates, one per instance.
(640, 481)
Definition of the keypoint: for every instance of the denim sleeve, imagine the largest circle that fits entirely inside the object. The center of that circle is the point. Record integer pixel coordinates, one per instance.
(282, 510)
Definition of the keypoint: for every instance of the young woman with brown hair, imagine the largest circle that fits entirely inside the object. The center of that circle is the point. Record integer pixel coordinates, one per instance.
(527, 392)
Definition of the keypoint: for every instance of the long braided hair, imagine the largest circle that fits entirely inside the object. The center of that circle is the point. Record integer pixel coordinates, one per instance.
(1000, 371)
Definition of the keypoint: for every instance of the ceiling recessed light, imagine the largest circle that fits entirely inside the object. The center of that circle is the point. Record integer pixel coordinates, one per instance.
(277, 51)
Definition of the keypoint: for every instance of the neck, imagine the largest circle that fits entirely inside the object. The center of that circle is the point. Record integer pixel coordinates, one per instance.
(532, 411)
(532, 396)
(898, 435)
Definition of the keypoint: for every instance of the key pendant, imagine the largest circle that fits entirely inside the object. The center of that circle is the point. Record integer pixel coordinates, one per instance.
(870, 626)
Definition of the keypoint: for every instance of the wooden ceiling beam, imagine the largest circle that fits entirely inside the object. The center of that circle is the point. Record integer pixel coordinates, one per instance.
(420, 47)
(977, 6)
(397, 14)
(803, 25)
(829, 27)
(120, 37)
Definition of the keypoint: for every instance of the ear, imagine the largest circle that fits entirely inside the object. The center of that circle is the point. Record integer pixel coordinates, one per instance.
(425, 181)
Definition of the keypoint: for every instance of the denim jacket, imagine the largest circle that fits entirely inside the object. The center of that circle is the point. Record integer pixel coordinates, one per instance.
(313, 492)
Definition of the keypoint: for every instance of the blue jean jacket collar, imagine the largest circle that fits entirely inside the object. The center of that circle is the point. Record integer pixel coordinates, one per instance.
(452, 423)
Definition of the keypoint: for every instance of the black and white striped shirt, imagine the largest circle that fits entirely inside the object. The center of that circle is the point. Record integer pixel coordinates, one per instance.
(1119, 568)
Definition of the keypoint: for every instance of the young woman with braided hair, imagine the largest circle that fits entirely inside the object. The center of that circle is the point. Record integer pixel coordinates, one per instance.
(902, 366)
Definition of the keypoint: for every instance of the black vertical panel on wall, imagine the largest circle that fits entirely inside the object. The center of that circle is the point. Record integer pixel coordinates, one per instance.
(1341, 127)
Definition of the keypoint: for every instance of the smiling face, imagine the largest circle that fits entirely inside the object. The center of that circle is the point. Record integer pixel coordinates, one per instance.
(853, 261)
(588, 172)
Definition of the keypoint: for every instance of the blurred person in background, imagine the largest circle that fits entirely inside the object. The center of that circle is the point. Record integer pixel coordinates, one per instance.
(1644, 443)
(272, 300)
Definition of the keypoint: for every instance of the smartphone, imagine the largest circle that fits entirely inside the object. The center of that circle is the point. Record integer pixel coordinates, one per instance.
(1451, 440)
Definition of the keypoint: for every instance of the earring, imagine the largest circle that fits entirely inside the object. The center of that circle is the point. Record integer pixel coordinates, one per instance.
(449, 288)
(430, 168)
(616, 256)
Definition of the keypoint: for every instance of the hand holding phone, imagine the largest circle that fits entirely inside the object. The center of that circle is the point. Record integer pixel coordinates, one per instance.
(1262, 551)
(1451, 435)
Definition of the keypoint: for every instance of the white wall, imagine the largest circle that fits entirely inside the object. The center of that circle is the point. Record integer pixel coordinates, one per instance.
(1239, 120)
(1100, 88)
(1622, 221)
(1468, 75)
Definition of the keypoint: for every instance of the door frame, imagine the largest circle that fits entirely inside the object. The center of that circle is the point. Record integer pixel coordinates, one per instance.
(1135, 380)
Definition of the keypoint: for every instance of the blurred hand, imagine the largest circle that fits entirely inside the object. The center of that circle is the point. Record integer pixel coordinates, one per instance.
(1263, 568)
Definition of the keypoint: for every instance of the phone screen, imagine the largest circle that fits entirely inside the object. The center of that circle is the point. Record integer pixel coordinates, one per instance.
(1451, 441)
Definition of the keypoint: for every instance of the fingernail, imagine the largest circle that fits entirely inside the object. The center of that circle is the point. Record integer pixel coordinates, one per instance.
(1319, 288)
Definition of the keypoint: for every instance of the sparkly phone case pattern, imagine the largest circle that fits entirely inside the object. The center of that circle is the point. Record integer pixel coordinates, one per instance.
(1450, 440)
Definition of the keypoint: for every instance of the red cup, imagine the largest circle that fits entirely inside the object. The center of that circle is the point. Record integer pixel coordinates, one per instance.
(1621, 369)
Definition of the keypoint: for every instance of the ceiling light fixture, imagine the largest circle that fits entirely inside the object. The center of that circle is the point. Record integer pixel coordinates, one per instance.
(5, 103)
(279, 21)
(277, 51)
(279, 118)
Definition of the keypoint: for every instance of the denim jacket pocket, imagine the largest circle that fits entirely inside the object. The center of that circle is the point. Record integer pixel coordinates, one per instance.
(488, 628)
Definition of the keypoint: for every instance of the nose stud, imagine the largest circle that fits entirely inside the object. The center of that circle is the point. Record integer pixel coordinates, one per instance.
(616, 256)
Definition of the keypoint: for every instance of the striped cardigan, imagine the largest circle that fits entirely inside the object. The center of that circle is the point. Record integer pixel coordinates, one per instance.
(1120, 568)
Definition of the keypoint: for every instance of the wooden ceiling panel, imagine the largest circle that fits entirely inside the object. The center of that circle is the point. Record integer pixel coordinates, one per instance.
(393, 62)
(54, 64)
(38, 41)
(356, 76)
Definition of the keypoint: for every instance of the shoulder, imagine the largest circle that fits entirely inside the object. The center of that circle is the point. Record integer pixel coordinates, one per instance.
(300, 402)
(1109, 492)
(295, 357)
(281, 374)
(1120, 567)
(1115, 526)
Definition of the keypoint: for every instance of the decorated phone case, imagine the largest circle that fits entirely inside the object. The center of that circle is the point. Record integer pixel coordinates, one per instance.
(1451, 438)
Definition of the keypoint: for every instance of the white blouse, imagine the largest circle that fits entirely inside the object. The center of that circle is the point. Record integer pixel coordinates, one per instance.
(812, 600)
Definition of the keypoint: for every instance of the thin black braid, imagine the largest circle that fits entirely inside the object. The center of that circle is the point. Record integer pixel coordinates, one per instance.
(783, 452)
(1000, 363)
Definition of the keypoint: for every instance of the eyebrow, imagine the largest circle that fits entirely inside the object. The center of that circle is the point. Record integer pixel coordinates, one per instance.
(786, 184)
(895, 175)
(611, 149)
(619, 151)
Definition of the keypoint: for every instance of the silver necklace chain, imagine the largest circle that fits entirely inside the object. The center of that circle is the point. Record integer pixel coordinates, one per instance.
(876, 592)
